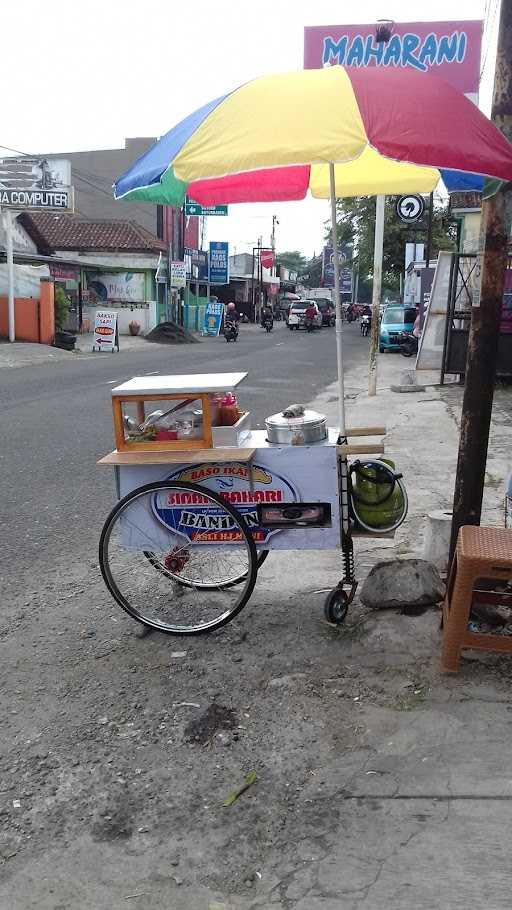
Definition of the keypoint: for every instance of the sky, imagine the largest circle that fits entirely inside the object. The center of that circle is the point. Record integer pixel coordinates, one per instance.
(87, 76)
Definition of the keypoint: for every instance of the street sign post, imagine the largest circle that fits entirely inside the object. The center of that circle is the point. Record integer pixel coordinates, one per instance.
(193, 208)
(410, 208)
(178, 274)
(219, 262)
(106, 332)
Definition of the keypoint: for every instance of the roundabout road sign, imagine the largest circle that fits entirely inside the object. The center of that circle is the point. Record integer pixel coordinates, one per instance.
(410, 208)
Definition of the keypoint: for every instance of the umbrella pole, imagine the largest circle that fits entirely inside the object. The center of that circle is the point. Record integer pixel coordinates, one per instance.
(337, 302)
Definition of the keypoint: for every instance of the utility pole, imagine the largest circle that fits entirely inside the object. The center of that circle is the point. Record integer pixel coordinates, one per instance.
(378, 253)
(10, 274)
(486, 312)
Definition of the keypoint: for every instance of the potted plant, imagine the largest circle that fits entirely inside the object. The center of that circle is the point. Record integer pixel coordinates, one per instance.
(134, 327)
(65, 340)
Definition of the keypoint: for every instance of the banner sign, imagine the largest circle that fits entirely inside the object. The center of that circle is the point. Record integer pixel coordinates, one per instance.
(219, 262)
(267, 258)
(213, 313)
(450, 50)
(193, 208)
(196, 262)
(345, 253)
(197, 519)
(106, 335)
(178, 274)
(36, 183)
(127, 287)
(279, 475)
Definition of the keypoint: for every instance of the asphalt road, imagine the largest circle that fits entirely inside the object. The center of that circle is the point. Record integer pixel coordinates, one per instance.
(56, 423)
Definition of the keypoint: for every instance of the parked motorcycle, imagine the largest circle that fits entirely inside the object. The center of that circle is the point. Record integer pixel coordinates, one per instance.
(408, 344)
(231, 331)
(365, 325)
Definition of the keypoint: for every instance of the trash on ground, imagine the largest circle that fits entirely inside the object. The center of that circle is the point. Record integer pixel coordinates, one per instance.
(249, 780)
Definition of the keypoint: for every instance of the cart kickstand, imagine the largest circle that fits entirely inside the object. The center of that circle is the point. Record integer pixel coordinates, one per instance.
(338, 601)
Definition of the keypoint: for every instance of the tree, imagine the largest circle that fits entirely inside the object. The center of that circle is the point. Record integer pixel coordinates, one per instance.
(356, 225)
(312, 275)
(293, 260)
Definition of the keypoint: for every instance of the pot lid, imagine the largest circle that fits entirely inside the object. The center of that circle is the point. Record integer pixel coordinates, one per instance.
(308, 419)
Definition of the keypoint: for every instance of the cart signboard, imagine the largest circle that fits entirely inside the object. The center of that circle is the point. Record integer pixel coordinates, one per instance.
(106, 333)
(194, 517)
(280, 474)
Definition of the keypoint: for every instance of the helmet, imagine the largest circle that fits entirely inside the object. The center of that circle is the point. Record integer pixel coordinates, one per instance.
(231, 306)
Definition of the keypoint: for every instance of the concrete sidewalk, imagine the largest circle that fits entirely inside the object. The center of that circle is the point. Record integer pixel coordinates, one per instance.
(22, 353)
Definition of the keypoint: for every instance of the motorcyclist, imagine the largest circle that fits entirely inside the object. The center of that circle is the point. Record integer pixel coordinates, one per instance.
(267, 313)
(231, 313)
(367, 311)
(310, 315)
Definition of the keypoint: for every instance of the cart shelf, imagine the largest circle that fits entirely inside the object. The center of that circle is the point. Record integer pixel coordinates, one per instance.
(194, 456)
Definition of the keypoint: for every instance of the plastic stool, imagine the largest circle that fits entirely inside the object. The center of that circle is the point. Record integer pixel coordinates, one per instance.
(480, 553)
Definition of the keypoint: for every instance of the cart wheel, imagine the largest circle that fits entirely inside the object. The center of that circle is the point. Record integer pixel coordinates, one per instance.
(195, 533)
(336, 606)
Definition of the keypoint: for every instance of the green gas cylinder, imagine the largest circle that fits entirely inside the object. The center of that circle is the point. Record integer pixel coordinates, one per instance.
(377, 502)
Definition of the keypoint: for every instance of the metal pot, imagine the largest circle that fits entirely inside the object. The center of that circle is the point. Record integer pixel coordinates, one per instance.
(297, 431)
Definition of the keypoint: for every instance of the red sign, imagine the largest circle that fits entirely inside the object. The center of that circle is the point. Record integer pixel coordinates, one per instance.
(63, 273)
(450, 50)
(267, 258)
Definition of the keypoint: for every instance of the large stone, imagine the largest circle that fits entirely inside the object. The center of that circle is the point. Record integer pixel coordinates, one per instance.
(402, 583)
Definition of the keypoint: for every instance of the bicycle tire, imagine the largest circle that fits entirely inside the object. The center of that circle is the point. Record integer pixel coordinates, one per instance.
(133, 611)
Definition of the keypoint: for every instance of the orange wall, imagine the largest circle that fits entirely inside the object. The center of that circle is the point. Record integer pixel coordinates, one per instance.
(33, 319)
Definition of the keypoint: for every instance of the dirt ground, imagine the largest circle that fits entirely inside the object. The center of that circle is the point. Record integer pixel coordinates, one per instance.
(379, 782)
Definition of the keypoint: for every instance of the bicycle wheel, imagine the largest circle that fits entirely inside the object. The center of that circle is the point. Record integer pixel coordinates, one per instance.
(194, 534)
(167, 567)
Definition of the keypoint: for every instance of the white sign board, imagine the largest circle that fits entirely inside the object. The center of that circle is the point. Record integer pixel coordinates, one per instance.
(430, 352)
(127, 287)
(36, 183)
(106, 335)
(277, 475)
(178, 274)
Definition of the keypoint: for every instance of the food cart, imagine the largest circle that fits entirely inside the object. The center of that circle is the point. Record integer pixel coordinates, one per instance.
(203, 499)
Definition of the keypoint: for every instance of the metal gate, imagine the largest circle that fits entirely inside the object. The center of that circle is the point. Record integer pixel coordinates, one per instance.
(458, 320)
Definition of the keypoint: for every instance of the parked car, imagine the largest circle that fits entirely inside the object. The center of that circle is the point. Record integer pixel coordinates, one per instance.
(396, 319)
(296, 314)
(327, 310)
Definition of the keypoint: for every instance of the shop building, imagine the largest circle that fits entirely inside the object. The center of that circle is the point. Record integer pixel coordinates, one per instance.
(101, 263)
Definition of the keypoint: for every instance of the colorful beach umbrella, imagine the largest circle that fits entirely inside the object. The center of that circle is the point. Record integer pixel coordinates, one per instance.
(339, 131)
(272, 139)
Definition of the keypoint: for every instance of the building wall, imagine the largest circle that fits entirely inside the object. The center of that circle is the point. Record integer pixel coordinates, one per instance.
(34, 319)
(93, 173)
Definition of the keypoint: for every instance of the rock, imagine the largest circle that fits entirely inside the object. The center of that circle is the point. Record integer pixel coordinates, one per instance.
(401, 583)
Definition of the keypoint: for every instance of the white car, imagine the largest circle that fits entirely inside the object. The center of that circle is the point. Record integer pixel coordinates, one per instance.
(296, 318)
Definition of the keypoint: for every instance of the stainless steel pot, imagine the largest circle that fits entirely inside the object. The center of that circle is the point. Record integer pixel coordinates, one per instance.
(297, 431)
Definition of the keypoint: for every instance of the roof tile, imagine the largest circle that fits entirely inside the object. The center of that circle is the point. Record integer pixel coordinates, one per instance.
(55, 231)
